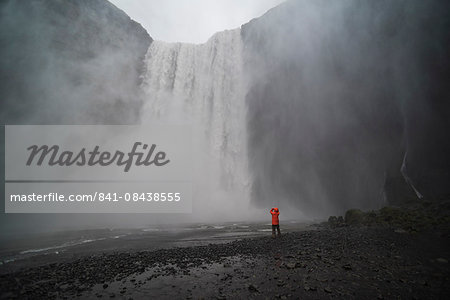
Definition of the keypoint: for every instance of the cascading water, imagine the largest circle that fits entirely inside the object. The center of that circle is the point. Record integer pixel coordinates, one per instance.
(204, 85)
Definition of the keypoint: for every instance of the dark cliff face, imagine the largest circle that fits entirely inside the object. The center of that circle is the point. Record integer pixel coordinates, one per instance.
(339, 92)
(69, 62)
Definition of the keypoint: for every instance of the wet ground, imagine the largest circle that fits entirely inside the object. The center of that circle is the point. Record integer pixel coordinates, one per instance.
(345, 262)
(28, 250)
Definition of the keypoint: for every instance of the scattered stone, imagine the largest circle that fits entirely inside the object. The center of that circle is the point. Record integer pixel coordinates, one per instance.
(375, 254)
(291, 265)
(347, 267)
(442, 260)
(253, 288)
(332, 220)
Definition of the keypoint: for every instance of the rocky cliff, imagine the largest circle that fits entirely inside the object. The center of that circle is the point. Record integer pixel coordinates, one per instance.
(69, 62)
(348, 103)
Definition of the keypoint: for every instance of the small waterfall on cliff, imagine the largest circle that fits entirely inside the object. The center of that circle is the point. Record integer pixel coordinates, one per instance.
(204, 84)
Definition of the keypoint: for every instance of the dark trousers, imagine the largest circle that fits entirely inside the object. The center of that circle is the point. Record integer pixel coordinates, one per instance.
(277, 227)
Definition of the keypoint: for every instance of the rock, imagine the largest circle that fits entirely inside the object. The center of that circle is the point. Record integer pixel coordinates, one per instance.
(101, 28)
(442, 260)
(354, 216)
(253, 288)
(332, 220)
(347, 267)
(390, 214)
(327, 289)
(291, 265)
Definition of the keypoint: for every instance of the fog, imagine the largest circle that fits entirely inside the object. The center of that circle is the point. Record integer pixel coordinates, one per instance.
(340, 98)
(315, 107)
(64, 63)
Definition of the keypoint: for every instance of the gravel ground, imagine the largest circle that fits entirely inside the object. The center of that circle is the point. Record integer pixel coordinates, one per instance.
(348, 262)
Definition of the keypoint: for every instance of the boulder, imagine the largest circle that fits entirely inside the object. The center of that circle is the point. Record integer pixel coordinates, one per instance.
(354, 216)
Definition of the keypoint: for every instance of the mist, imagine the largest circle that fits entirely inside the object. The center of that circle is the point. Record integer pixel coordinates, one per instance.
(338, 98)
(314, 107)
(68, 62)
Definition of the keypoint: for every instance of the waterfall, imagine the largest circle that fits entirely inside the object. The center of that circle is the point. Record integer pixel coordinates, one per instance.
(204, 84)
(403, 171)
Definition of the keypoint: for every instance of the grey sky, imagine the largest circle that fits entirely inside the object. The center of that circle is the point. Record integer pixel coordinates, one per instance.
(192, 21)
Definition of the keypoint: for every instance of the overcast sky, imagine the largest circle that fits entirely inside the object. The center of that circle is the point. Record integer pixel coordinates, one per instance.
(192, 21)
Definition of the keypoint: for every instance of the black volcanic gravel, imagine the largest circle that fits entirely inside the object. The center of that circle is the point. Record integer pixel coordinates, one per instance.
(343, 262)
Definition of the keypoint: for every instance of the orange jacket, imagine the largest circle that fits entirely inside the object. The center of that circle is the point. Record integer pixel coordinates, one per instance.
(275, 212)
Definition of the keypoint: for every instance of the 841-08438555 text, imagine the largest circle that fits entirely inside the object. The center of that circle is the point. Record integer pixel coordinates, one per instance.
(98, 196)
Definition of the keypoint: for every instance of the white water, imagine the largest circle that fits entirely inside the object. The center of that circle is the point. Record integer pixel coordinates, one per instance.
(204, 85)
(408, 180)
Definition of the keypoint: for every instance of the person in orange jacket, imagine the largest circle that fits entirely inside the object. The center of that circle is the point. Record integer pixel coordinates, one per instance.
(275, 221)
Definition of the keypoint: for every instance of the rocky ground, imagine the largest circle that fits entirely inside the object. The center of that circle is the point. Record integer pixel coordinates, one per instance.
(348, 259)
